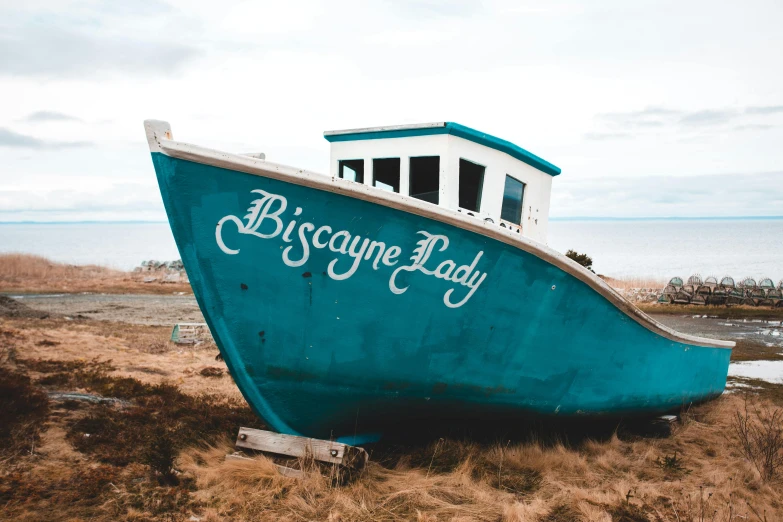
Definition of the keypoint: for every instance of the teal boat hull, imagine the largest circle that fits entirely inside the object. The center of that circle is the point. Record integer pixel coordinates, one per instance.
(328, 340)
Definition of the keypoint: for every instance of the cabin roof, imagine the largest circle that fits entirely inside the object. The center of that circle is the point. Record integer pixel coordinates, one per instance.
(445, 127)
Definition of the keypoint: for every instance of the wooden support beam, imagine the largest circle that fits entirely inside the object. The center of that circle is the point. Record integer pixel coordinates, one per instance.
(293, 446)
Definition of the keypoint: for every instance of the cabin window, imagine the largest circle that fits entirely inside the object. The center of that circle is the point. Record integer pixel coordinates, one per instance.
(386, 174)
(471, 180)
(425, 178)
(513, 193)
(352, 170)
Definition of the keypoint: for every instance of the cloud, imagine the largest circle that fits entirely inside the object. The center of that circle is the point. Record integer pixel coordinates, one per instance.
(753, 127)
(740, 194)
(56, 52)
(708, 117)
(11, 139)
(435, 8)
(771, 109)
(668, 119)
(44, 116)
(646, 118)
(125, 9)
(602, 136)
(102, 201)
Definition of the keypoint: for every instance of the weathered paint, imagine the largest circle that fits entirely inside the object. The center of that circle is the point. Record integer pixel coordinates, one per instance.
(325, 357)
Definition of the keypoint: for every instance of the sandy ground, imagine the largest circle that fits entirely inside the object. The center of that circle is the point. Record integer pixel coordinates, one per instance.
(152, 310)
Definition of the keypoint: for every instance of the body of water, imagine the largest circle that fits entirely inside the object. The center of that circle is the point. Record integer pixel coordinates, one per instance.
(116, 245)
(636, 248)
(662, 249)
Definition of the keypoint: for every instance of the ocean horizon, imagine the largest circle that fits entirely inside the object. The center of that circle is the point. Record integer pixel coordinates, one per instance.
(644, 248)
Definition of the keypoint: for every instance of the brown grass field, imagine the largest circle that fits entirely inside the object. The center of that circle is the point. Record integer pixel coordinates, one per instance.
(26, 273)
(156, 450)
(160, 454)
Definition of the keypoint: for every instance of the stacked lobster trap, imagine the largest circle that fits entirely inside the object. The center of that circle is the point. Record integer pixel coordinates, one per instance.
(710, 291)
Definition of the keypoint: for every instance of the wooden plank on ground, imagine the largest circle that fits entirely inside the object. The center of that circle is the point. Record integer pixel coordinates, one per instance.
(237, 456)
(293, 446)
(289, 472)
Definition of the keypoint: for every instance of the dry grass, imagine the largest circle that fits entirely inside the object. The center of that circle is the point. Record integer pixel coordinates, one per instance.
(697, 473)
(626, 283)
(19, 266)
(723, 312)
(26, 273)
(596, 481)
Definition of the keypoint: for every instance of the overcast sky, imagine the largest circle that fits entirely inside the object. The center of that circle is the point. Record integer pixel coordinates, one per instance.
(651, 108)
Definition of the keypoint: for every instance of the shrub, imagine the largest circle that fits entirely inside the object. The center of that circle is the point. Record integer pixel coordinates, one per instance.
(672, 464)
(14, 266)
(23, 410)
(583, 259)
(760, 432)
(159, 452)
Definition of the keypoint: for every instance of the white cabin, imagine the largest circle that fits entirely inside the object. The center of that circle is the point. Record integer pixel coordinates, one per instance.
(453, 166)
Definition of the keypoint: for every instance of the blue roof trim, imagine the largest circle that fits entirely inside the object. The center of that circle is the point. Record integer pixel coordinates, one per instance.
(461, 131)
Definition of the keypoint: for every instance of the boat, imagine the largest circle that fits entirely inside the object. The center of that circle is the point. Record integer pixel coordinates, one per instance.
(411, 282)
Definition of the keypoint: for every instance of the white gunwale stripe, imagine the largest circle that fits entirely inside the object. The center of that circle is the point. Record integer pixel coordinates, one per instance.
(160, 143)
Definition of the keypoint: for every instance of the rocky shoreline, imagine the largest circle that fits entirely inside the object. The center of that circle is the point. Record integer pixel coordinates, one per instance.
(163, 271)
